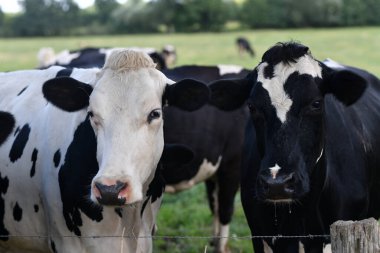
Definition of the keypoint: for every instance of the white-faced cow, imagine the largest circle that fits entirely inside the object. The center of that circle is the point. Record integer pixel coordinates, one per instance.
(91, 57)
(216, 137)
(80, 165)
(311, 152)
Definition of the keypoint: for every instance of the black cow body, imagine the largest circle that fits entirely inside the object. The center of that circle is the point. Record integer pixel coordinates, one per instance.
(93, 57)
(317, 162)
(216, 137)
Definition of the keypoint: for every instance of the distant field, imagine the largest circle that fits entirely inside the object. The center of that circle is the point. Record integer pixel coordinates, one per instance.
(353, 46)
(187, 213)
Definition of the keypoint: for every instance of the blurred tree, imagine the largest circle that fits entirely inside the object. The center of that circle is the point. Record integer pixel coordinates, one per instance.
(45, 17)
(134, 17)
(104, 9)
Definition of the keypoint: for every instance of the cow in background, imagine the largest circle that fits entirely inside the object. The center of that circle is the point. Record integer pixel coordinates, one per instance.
(244, 46)
(91, 57)
(81, 162)
(312, 144)
(216, 138)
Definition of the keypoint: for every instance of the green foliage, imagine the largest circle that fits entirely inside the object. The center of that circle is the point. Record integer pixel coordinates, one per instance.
(46, 18)
(63, 17)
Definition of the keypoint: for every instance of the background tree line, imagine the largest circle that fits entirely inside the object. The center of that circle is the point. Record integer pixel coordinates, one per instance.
(64, 17)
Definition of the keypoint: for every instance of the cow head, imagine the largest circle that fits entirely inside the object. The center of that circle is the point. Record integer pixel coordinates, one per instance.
(125, 108)
(285, 95)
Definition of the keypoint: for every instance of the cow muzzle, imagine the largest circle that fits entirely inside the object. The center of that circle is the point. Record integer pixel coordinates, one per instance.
(111, 195)
(278, 189)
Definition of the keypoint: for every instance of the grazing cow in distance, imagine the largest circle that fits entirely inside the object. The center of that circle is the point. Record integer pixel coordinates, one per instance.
(82, 163)
(311, 152)
(91, 57)
(244, 46)
(216, 137)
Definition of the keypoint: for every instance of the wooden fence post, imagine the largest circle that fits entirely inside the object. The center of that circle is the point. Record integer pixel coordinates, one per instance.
(355, 237)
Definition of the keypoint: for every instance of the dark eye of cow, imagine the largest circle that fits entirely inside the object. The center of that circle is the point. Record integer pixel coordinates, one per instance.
(316, 105)
(251, 107)
(90, 114)
(155, 114)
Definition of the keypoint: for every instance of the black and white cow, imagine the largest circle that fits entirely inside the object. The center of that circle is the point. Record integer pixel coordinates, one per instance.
(311, 152)
(80, 165)
(91, 57)
(216, 137)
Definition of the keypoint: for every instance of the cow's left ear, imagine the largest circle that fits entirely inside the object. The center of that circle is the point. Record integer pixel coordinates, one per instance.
(7, 123)
(345, 85)
(67, 93)
(187, 94)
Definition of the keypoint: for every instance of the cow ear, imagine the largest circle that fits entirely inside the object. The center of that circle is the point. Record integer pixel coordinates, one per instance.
(230, 94)
(187, 94)
(67, 93)
(7, 123)
(345, 85)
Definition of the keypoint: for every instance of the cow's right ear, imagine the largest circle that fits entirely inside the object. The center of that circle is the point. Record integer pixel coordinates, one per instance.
(7, 123)
(67, 93)
(230, 94)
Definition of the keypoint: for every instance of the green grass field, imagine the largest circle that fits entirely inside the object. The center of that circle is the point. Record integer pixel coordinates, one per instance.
(187, 213)
(353, 46)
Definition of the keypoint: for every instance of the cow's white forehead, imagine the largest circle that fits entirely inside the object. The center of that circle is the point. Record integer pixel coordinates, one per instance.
(275, 85)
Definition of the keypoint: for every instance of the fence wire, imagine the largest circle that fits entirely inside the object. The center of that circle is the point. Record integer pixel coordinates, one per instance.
(161, 237)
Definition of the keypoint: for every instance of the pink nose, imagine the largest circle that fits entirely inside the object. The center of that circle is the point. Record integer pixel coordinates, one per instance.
(111, 194)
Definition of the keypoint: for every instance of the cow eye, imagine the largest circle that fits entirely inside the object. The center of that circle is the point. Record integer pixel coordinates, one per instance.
(90, 114)
(252, 108)
(316, 105)
(155, 114)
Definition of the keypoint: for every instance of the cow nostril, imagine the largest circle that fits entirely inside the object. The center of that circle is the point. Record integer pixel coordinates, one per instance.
(110, 194)
(289, 183)
(264, 183)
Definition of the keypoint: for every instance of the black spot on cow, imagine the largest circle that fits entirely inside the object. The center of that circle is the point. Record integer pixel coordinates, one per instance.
(34, 160)
(119, 211)
(64, 72)
(17, 212)
(19, 143)
(6, 126)
(57, 158)
(4, 183)
(52, 246)
(36, 208)
(22, 91)
(17, 130)
(155, 188)
(269, 71)
(75, 175)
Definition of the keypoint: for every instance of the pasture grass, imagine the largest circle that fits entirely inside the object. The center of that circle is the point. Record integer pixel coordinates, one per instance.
(187, 213)
(358, 46)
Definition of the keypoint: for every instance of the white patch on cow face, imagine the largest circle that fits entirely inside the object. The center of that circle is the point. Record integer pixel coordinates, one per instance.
(274, 170)
(229, 69)
(275, 86)
(121, 104)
